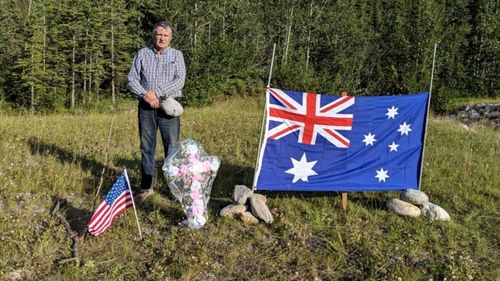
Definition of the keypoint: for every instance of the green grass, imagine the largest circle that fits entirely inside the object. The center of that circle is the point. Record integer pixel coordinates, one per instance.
(456, 104)
(46, 159)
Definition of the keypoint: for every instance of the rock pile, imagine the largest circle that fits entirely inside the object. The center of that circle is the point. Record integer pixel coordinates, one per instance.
(478, 112)
(248, 206)
(413, 203)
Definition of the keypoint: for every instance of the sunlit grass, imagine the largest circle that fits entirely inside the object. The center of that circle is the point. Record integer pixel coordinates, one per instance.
(45, 159)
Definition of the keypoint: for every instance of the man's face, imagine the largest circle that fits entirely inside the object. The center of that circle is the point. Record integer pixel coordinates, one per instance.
(162, 38)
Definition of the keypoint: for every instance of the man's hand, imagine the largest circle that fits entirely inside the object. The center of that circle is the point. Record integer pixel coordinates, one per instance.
(151, 99)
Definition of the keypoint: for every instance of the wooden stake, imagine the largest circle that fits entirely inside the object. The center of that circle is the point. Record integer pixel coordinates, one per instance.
(344, 194)
(344, 201)
(133, 203)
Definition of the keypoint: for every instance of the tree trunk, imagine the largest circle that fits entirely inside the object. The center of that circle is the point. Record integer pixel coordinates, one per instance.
(29, 7)
(44, 41)
(90, 75)
(195, 25)
(85, 72)
(112, 63)
(287, 42)
(32, 105)
(73, 54)
(224, 21)
(309, 38)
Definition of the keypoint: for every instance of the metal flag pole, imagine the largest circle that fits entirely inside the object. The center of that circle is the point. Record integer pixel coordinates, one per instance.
(427, 117)
(133, 203)
(263, 121)
(271, 69)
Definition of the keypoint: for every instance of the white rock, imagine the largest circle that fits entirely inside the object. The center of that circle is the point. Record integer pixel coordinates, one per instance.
(403, 208)
(13, 276)
(259, 208)
(247, 217)
(434, 212)
(414, 196)
(241, 194)
(232, 210)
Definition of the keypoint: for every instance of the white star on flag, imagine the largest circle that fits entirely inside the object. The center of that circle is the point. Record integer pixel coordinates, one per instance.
(302, 169)
(369, 139)
(404, 128)
(392, 112)
(382, 175)
(393, 146)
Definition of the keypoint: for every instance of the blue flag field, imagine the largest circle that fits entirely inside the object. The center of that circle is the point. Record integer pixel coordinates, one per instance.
(328, 143)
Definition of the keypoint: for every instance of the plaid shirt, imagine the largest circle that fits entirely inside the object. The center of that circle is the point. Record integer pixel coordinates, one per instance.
(161, 72)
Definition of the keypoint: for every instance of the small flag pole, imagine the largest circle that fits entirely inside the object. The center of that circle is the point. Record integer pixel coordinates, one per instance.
(263, 121)
(133, 203)
(271, 69)
(427, 117)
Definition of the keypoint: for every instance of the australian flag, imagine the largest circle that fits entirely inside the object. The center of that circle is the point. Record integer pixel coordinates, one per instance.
(329, 143)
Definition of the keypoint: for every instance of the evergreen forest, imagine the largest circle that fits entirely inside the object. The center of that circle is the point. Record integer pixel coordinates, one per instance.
(61, 54)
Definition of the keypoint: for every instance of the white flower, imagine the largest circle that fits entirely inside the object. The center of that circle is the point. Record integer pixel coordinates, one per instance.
(198, 202)
(197, 168)
(197, 222)
(215, 164)
(196, 186)
(191, 149)
(173, 171)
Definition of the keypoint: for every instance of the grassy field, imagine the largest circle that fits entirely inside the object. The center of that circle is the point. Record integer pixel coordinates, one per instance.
(50, 159)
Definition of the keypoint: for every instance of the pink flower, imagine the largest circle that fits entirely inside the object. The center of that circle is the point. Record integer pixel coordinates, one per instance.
(197, 210)
(198, 178)
(183, 170)
(192, 158)
(195, 194)
(206, 166)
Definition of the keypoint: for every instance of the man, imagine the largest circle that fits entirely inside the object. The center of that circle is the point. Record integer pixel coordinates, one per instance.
(157, 72)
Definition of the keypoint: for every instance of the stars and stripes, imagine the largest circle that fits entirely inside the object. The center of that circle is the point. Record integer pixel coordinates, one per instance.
(118, 199)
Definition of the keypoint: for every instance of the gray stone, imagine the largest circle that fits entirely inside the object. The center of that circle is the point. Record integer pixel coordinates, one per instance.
(414, 196)
(13, 276)
(434, 212)
(260, 209)
(248, 218)
(474, 115)
(232, 210)
(171, 107)
(403, 208)
(241, 194)
(494, 114)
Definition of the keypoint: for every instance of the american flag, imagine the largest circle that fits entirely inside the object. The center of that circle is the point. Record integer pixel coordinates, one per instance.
(329, 143)
(118, 199)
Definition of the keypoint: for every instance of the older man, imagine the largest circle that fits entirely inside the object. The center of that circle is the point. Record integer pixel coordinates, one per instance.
(157, 72)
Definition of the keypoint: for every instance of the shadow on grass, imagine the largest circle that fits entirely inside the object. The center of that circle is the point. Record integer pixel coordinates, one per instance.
(230, 175)
(77, 218)
(66, 156)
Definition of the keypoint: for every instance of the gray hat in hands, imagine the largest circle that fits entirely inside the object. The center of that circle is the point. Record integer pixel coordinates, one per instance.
(171, 107)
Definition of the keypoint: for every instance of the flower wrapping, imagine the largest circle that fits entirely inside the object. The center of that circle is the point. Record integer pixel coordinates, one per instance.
(190, 173)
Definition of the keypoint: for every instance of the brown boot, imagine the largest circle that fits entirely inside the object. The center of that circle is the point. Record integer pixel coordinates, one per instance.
(143, 195)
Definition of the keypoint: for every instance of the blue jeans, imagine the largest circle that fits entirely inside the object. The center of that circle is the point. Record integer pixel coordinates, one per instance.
(150, 120)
